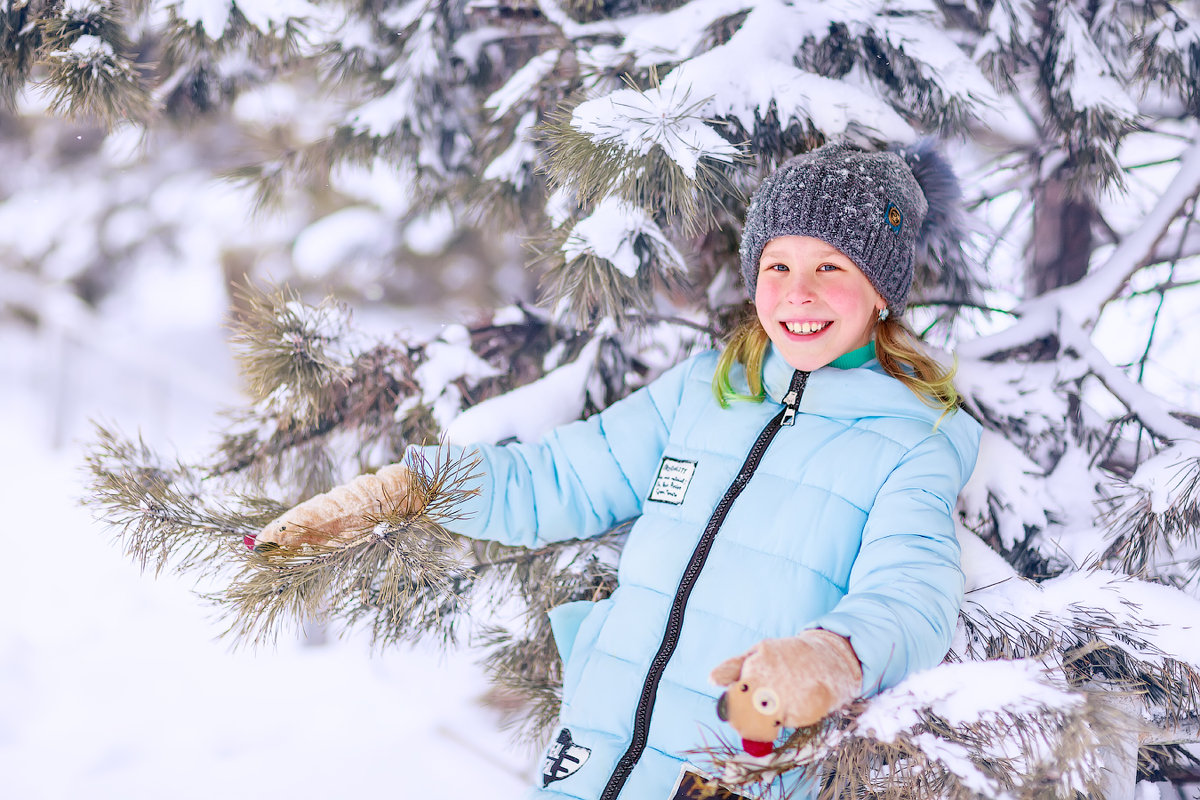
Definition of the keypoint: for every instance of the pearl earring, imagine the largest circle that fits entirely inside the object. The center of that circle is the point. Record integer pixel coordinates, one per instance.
(883, 314)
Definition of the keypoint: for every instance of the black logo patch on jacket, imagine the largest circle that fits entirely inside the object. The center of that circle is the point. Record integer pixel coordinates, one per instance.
(563, 758)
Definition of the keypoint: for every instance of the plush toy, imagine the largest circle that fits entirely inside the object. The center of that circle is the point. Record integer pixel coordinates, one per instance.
(791, 682)
(342, 513)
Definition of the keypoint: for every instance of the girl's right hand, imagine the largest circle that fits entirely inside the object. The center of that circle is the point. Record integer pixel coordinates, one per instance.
(342, 514)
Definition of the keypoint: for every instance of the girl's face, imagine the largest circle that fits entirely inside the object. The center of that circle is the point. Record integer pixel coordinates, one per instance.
(813, 302)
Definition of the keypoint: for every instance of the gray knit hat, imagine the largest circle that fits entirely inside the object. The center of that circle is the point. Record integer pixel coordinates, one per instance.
(877, 208)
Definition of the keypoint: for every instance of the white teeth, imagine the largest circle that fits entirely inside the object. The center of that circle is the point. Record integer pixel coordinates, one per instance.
(804, 328)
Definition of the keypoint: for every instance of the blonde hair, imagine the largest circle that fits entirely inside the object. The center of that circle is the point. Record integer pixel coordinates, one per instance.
(899, 350)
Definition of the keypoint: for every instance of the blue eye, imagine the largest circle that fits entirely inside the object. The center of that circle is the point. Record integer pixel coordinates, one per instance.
(828, 267)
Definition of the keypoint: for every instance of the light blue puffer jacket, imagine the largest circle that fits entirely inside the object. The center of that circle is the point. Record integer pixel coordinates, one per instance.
(845, 523)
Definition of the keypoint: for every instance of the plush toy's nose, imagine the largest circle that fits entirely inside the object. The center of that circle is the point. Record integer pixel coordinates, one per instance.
(722, 709)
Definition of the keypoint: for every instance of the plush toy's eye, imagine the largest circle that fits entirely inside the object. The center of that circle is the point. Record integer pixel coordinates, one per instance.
(745, 687)
(766, 701)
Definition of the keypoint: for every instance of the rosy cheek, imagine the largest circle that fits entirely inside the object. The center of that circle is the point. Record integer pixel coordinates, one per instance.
(765, 293)
(847, 301)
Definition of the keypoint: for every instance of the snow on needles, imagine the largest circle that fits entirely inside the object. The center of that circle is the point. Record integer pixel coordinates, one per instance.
(522, 83)
(964, 695)
(667, 117)
(1083, 68)
(447, 360)
(268, 16)
(610, 232)
(1160, 478)
(1147, 620)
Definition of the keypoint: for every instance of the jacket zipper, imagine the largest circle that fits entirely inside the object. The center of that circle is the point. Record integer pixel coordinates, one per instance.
(641, 719)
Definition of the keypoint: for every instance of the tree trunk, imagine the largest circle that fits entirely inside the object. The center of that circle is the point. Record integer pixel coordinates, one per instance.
(1062, 237)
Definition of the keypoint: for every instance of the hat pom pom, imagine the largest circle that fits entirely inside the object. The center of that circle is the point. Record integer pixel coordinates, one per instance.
(942, 192)
(942, 251)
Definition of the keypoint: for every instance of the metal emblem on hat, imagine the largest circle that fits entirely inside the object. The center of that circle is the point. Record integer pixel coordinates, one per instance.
(894, 216)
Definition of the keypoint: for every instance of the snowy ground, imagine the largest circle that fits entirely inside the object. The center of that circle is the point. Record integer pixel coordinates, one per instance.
(112, 683)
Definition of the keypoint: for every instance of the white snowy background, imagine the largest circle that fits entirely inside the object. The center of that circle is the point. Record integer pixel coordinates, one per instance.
(113, 683)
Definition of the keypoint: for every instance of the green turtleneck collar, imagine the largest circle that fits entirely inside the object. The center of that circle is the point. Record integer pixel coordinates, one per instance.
(855, 358)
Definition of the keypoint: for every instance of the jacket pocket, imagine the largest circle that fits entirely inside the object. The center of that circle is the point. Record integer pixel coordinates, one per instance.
(576, 626)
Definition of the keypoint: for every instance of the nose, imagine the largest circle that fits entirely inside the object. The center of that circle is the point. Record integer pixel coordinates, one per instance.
(800, 289)
(722, 708)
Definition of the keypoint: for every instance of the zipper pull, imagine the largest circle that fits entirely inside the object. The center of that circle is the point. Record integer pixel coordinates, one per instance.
(791, 400)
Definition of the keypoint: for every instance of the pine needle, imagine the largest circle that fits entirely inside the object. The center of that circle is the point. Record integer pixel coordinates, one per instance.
(403, 575)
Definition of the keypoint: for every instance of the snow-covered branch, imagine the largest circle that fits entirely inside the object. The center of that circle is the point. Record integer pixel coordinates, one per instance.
(1161, 420)
(1085, 299)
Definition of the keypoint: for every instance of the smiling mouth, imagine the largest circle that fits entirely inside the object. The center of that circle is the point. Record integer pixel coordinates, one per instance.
(806, 328)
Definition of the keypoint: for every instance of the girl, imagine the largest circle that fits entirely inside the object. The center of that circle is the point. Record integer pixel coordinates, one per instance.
(794, 495)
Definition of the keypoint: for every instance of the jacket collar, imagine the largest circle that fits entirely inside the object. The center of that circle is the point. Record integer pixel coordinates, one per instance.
(865, 391)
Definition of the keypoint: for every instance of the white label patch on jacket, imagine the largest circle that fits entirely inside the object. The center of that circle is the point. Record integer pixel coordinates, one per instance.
(674, 477)
(563, 758)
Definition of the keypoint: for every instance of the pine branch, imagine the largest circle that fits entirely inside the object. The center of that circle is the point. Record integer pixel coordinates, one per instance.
(402, 576)
(314, 375)
(648, 148)
(1152, 515)
(589, 288)
(527, 665)
(1108, 648)
(1085, 299)
(89, 70)
(162, 515)
(1033, 739)
(20, 42)
(280, 343)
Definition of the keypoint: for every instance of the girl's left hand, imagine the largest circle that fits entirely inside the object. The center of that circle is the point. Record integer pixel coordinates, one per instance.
(790, 682)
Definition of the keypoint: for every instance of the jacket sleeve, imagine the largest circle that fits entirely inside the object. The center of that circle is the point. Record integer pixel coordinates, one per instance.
(580, 480)
(906, 584)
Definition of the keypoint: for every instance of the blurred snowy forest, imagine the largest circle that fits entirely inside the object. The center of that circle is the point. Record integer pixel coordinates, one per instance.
(532, 208)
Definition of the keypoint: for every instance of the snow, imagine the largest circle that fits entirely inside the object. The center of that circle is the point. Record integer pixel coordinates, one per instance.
(610, 232)
(211, 15)
(1008, 486)
(273, 16)
(447, 360)
(677, 34)
(430, 234)
(329, 243)
(510, 166)
(963, 694)
(664, 117)
(1086, 74)
(529, 412)
(91, 48)
(1146, 619)
(763, 49)
(114, 683)
(521, 85)
(1159, 476)
(937, 56)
